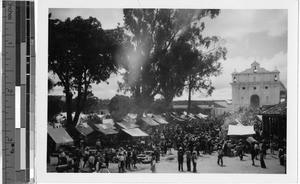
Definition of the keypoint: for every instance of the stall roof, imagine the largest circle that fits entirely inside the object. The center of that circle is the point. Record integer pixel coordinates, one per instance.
(160, 119)
(84, 129)
(240, 130)
(135, 132)
(279, 109)
(108, 121)
(126, 125)
(107, 130)
(60, 136)
(150, 121)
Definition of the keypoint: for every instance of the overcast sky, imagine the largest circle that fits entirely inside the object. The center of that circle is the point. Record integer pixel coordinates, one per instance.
(250, 35)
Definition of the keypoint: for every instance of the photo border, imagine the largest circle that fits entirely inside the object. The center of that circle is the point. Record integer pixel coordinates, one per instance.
(41, 175)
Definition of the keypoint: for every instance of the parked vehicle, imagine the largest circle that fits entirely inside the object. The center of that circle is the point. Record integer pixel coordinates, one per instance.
(145, 157)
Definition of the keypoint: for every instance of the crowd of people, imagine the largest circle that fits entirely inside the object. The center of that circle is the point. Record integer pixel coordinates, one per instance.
(189, 139)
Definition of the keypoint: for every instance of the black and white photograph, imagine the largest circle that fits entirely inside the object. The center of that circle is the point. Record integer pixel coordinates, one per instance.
(161, 90)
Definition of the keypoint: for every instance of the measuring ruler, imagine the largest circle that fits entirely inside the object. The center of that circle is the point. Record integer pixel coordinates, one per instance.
(18, 66)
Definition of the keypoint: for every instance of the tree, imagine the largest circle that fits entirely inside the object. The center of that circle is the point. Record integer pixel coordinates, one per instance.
(90, 103)
(174, 69)
(205, 66)
(80, 53)
(119, 106)
(152, 34)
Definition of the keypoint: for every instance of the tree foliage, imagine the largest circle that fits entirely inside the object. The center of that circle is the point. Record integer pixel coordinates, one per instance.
(119, 106)
(80, 53)
(162, 47)
(55, 106)
(205, 66)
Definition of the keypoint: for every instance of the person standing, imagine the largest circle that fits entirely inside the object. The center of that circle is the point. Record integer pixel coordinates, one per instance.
(220, 155)
(188, 160)
(128, 158)
(106, 158)
(240, 150)
(134, 158)
(153, 163)
(253, 152)
(257, 149)
(272, 147)
(121, 164)
(194, 161)
(262, 162)
(264, 147)
(225, 148)
(180, 159)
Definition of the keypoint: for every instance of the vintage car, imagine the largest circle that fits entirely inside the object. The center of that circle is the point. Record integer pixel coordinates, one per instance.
(145, 157)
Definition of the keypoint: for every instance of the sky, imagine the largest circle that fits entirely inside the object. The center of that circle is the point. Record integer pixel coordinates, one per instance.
(259, 35)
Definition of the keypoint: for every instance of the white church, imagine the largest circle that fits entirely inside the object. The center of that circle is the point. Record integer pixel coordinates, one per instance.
(256, 87)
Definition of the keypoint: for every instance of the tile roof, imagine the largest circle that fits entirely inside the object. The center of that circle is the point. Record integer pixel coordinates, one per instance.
(279, 109)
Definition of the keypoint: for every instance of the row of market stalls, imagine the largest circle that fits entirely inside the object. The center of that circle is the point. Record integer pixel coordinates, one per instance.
(88, 127)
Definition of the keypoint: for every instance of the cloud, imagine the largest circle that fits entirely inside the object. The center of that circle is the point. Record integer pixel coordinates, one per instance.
(107, 91)
(239, 23)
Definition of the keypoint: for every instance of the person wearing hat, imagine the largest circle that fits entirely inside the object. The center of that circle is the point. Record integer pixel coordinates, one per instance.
(121, 164)
(194, 161)
(180, 159)
(98, 144)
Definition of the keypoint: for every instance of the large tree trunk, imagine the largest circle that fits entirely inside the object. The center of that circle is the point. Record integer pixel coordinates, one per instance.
(168, 101)
(190, 96)
(189, 100)
(70, 125)
(81, 99)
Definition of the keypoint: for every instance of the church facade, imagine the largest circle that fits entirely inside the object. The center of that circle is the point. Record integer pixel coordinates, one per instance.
(256, 87)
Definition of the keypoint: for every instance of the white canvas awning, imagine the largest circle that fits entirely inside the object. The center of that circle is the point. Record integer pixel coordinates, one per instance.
(135, 132)
(126, 125)
(108, 121)
(201, 116)
(240, 130)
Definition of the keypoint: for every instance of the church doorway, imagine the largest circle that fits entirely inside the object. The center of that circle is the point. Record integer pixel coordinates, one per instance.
(254, 101)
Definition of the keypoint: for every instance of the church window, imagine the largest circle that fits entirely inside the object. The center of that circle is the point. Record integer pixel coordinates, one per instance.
(254, 88)
(266, 87)
(234, 79)
(244, 88)
(275, 77)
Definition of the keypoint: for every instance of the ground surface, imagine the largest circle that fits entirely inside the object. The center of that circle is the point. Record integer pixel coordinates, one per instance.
(205, 164)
